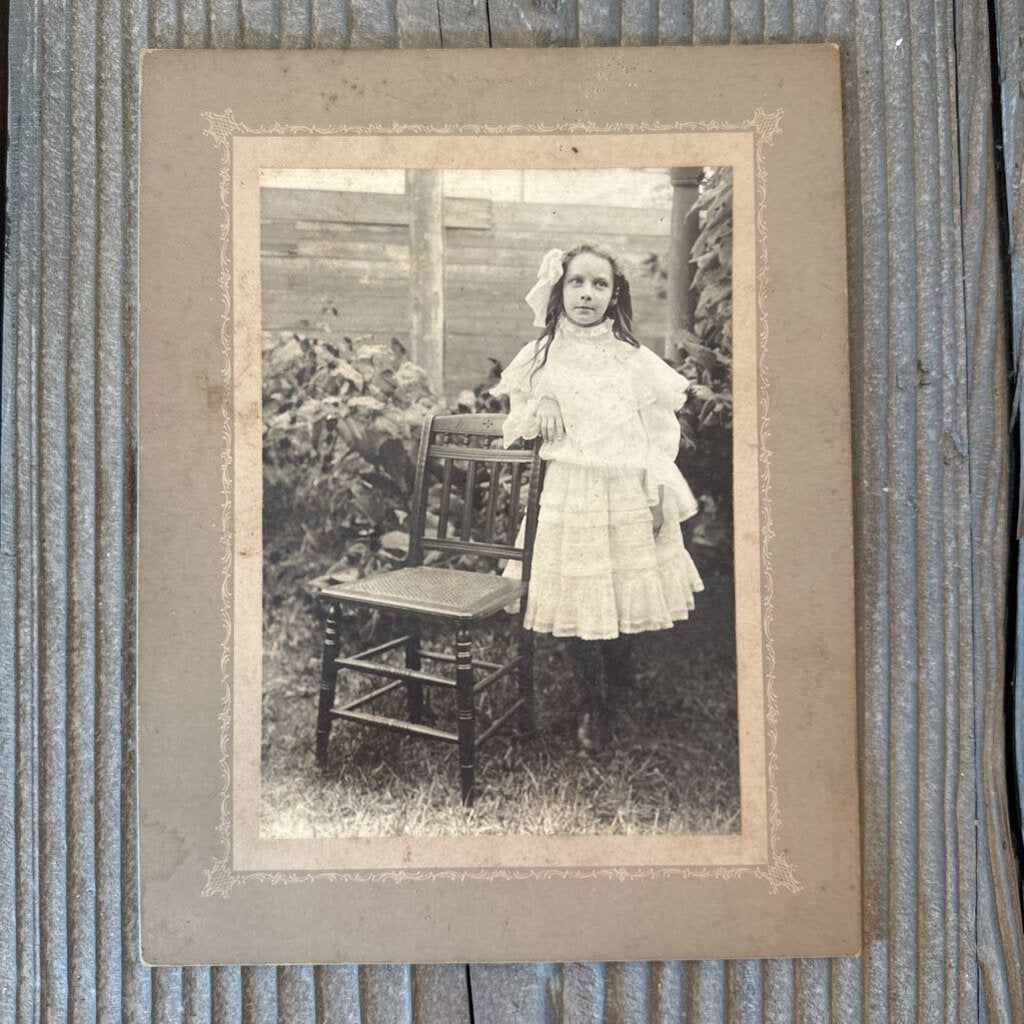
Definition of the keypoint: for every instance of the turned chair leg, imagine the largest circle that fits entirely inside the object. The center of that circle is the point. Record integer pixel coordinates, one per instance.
(413, 688)
(328, 684)
(465, 704)
(527, 719)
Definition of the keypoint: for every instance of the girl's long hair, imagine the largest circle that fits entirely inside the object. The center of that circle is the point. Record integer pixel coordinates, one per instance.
(620, 309)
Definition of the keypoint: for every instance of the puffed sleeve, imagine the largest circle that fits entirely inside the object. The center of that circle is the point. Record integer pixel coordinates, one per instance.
(661, 471)
(665, 392)
(525, 388)
(663, 385)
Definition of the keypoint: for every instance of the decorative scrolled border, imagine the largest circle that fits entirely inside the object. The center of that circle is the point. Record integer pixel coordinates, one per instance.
(764, 125)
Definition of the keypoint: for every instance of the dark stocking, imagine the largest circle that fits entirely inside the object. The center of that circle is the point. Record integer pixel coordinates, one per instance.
(588, 667)
(618, 669)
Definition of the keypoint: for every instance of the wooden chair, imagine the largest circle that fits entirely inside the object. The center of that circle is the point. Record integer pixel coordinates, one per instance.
(468, 453)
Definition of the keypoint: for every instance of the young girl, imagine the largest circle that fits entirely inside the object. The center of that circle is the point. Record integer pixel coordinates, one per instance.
(608, 559)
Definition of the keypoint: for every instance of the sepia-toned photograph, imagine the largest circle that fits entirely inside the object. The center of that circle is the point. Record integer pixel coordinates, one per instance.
(498, 580)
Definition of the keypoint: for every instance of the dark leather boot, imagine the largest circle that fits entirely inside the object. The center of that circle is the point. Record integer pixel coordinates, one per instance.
(588, 667)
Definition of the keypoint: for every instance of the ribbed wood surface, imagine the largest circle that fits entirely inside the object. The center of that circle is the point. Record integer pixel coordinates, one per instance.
(1011, 115)
(929, 334)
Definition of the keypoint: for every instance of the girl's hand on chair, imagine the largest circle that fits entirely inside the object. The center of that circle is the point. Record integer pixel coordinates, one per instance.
(549, 416)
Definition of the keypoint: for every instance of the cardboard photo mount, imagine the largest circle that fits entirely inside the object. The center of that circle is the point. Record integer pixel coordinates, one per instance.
(212, 889)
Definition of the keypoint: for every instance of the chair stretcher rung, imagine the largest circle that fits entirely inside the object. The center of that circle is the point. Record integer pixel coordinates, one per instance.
(499, 671)
(473, 547)
(499, 721)
(398, 725)
(442, 656)
(394, 672)
(460, 454)
(372, 695)
(383, 648)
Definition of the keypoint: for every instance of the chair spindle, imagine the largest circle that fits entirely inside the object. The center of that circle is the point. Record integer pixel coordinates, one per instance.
(494, 486)
(467, 515)
(446, 499)
(513, 502)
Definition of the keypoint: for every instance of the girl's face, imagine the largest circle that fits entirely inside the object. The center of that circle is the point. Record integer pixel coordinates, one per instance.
(587, 289)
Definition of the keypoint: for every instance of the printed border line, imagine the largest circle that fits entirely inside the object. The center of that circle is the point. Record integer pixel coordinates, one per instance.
(222, 128)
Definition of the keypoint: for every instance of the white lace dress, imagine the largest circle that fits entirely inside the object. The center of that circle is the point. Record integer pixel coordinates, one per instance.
(597, 569)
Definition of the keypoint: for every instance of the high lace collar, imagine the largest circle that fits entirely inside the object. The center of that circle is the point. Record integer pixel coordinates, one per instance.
(595, 332)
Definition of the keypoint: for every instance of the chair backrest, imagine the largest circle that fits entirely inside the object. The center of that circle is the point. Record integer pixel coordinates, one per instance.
(484, 490)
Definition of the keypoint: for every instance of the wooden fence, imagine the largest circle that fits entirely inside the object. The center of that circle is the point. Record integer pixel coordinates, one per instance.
(342, 258)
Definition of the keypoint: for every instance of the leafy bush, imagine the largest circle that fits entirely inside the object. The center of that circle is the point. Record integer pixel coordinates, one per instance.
(479, 398)
(340, 424)
(704, 356)
(707, 419)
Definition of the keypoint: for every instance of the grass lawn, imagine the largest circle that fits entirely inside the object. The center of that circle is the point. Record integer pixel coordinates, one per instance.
(672, 767)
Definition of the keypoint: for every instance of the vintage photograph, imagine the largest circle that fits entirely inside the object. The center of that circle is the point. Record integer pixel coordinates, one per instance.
(497, 503)
(495, 523)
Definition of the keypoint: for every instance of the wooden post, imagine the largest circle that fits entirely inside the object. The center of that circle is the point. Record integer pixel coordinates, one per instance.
(426, 272)
(682, 301)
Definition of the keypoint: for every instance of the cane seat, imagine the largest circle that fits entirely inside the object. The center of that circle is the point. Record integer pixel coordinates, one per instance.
(445, 593)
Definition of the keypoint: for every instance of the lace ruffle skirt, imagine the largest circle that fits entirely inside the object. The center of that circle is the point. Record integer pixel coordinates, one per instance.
(597, 568)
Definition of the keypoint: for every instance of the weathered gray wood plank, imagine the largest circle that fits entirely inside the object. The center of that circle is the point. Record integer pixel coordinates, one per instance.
(675, 22)
(82, 532)
(337, 994)
(197, 995)
(545, 23)
(463, 23)
(385, 993)
(513, 992)
(743, 991)
(20, 544)
(999, 938)
(929, 334)
(1010, 24)
(373, 24)
(440, 994)
(418, 23)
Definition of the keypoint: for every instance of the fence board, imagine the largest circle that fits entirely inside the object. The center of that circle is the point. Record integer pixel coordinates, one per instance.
(364, 208)
(311, 260)
(569, 218)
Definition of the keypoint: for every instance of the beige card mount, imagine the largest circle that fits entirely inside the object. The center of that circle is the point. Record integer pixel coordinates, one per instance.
(335, 249)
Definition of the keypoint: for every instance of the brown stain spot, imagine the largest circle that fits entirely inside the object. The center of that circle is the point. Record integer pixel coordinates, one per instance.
(213, 392)
(250, 415)
(353, 86)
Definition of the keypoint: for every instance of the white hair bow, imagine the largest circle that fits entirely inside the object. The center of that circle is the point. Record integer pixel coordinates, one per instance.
(548, 273)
